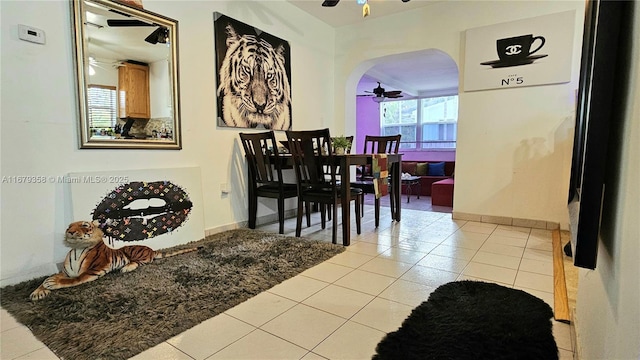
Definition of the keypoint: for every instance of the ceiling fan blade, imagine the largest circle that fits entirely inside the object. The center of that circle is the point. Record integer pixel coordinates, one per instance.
(330, 3)
(158, 35)
(127, 22)
(395, 96)
(392, 93)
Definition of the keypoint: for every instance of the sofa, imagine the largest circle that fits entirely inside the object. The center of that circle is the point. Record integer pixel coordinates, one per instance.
(429, 172)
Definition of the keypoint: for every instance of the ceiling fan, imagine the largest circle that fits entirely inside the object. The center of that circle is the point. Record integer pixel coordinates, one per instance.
(332, 3)
(381, 94)
(159, 35)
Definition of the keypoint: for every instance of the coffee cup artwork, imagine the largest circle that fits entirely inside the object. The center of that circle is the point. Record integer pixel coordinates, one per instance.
(516, 51)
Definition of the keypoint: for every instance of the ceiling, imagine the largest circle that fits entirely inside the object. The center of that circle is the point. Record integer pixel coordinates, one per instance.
(418, 74)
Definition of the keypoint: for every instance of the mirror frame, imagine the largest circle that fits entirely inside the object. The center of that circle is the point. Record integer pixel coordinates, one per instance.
(81, 64)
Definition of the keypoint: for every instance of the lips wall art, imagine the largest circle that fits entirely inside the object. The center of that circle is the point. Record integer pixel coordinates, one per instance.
(142, 210)
(158, 208)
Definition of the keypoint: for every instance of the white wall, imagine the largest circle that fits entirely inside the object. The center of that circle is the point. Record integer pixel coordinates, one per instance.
(40, 130)
(608, 301)
(514, 145)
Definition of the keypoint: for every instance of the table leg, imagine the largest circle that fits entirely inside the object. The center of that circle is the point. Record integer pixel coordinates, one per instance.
(345, 196)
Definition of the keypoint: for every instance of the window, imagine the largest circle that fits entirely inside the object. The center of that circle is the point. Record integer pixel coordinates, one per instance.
(101, 102)
(429, 123)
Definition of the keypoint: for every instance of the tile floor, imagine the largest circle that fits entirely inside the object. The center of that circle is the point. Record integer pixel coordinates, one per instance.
(342, 308)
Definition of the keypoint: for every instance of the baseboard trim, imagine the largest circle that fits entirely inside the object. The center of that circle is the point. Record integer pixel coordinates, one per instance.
(261, 220)
(505, 220)
(560, 298)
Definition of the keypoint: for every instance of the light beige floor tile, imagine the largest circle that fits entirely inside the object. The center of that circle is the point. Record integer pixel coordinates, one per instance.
(386, 267)
(366, 248)
(541, 234)
(260, 345)
(536, 266)
(402, 255)
(477, 227)
(512, 231)
(429, 276)
(350, 259)
(562, 335)
(434, 234)
(490, 272)
(540, 255)
(210, 336)
(40, 354)
(454, 252)
(18, 341)
(313, 356)
(542, 295)
(484, 257)
(565, 354)
(7, 321)
(298, 288)
(418, 246)
(407, 292)
(304, 326)
(352, 341)
(503, 249)
(506, 240)
(327, 272)
(162, 351)
(339, 301)
(540, 244)
(444, 263)
(534, 281)
(467, 240)
(261, 308)
(382, 314)
(365, 282)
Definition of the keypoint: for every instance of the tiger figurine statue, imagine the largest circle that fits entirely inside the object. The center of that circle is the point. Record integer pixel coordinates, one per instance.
(254, 85)
(90, 258)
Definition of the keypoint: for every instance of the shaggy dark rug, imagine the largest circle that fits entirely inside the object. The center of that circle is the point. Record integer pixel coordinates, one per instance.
(123, 314)
(474, 320)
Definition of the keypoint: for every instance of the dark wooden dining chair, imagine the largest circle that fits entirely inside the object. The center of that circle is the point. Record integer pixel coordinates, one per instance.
(265, 174)
(312, 154)
(389, 144)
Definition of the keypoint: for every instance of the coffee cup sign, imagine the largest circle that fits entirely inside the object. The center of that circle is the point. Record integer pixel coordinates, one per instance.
(517, 48)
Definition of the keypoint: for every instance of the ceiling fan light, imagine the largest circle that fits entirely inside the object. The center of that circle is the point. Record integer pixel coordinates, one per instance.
(378, 99)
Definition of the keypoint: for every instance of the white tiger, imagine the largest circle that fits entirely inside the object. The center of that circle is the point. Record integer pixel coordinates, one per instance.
(254, 85)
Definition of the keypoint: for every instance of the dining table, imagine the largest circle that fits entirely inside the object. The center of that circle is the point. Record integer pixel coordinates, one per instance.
(345, 161)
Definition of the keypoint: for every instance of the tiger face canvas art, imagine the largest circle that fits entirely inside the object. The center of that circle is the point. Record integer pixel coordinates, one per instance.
(90, 258)
(254, 88)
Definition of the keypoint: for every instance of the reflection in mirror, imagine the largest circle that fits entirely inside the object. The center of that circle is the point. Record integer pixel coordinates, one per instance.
(127, 72)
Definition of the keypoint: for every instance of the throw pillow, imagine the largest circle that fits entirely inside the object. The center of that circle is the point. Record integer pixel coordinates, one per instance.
(421, 169)
(436, 169)
(409, 167)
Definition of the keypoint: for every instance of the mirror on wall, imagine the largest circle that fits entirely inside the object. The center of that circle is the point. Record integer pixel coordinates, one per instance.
(127, 76)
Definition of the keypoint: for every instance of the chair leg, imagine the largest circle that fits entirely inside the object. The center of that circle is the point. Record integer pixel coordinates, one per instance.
(299, 219)
(323, 216)
(334, 231)
(253, 209)
(308, 210)
(281, 214)
(328, 211)
(358, 216)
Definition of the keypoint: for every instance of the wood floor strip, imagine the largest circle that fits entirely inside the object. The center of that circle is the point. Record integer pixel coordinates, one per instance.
(560, 299)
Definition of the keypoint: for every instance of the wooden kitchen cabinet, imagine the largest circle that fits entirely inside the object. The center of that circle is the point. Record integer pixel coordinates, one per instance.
(133, 91)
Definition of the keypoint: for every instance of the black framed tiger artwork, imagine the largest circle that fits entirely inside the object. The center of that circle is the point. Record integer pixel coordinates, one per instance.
(253, 71)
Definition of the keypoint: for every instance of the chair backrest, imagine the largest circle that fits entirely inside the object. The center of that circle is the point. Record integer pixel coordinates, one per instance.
(257, 148)
(311, 150)
(381, 144)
